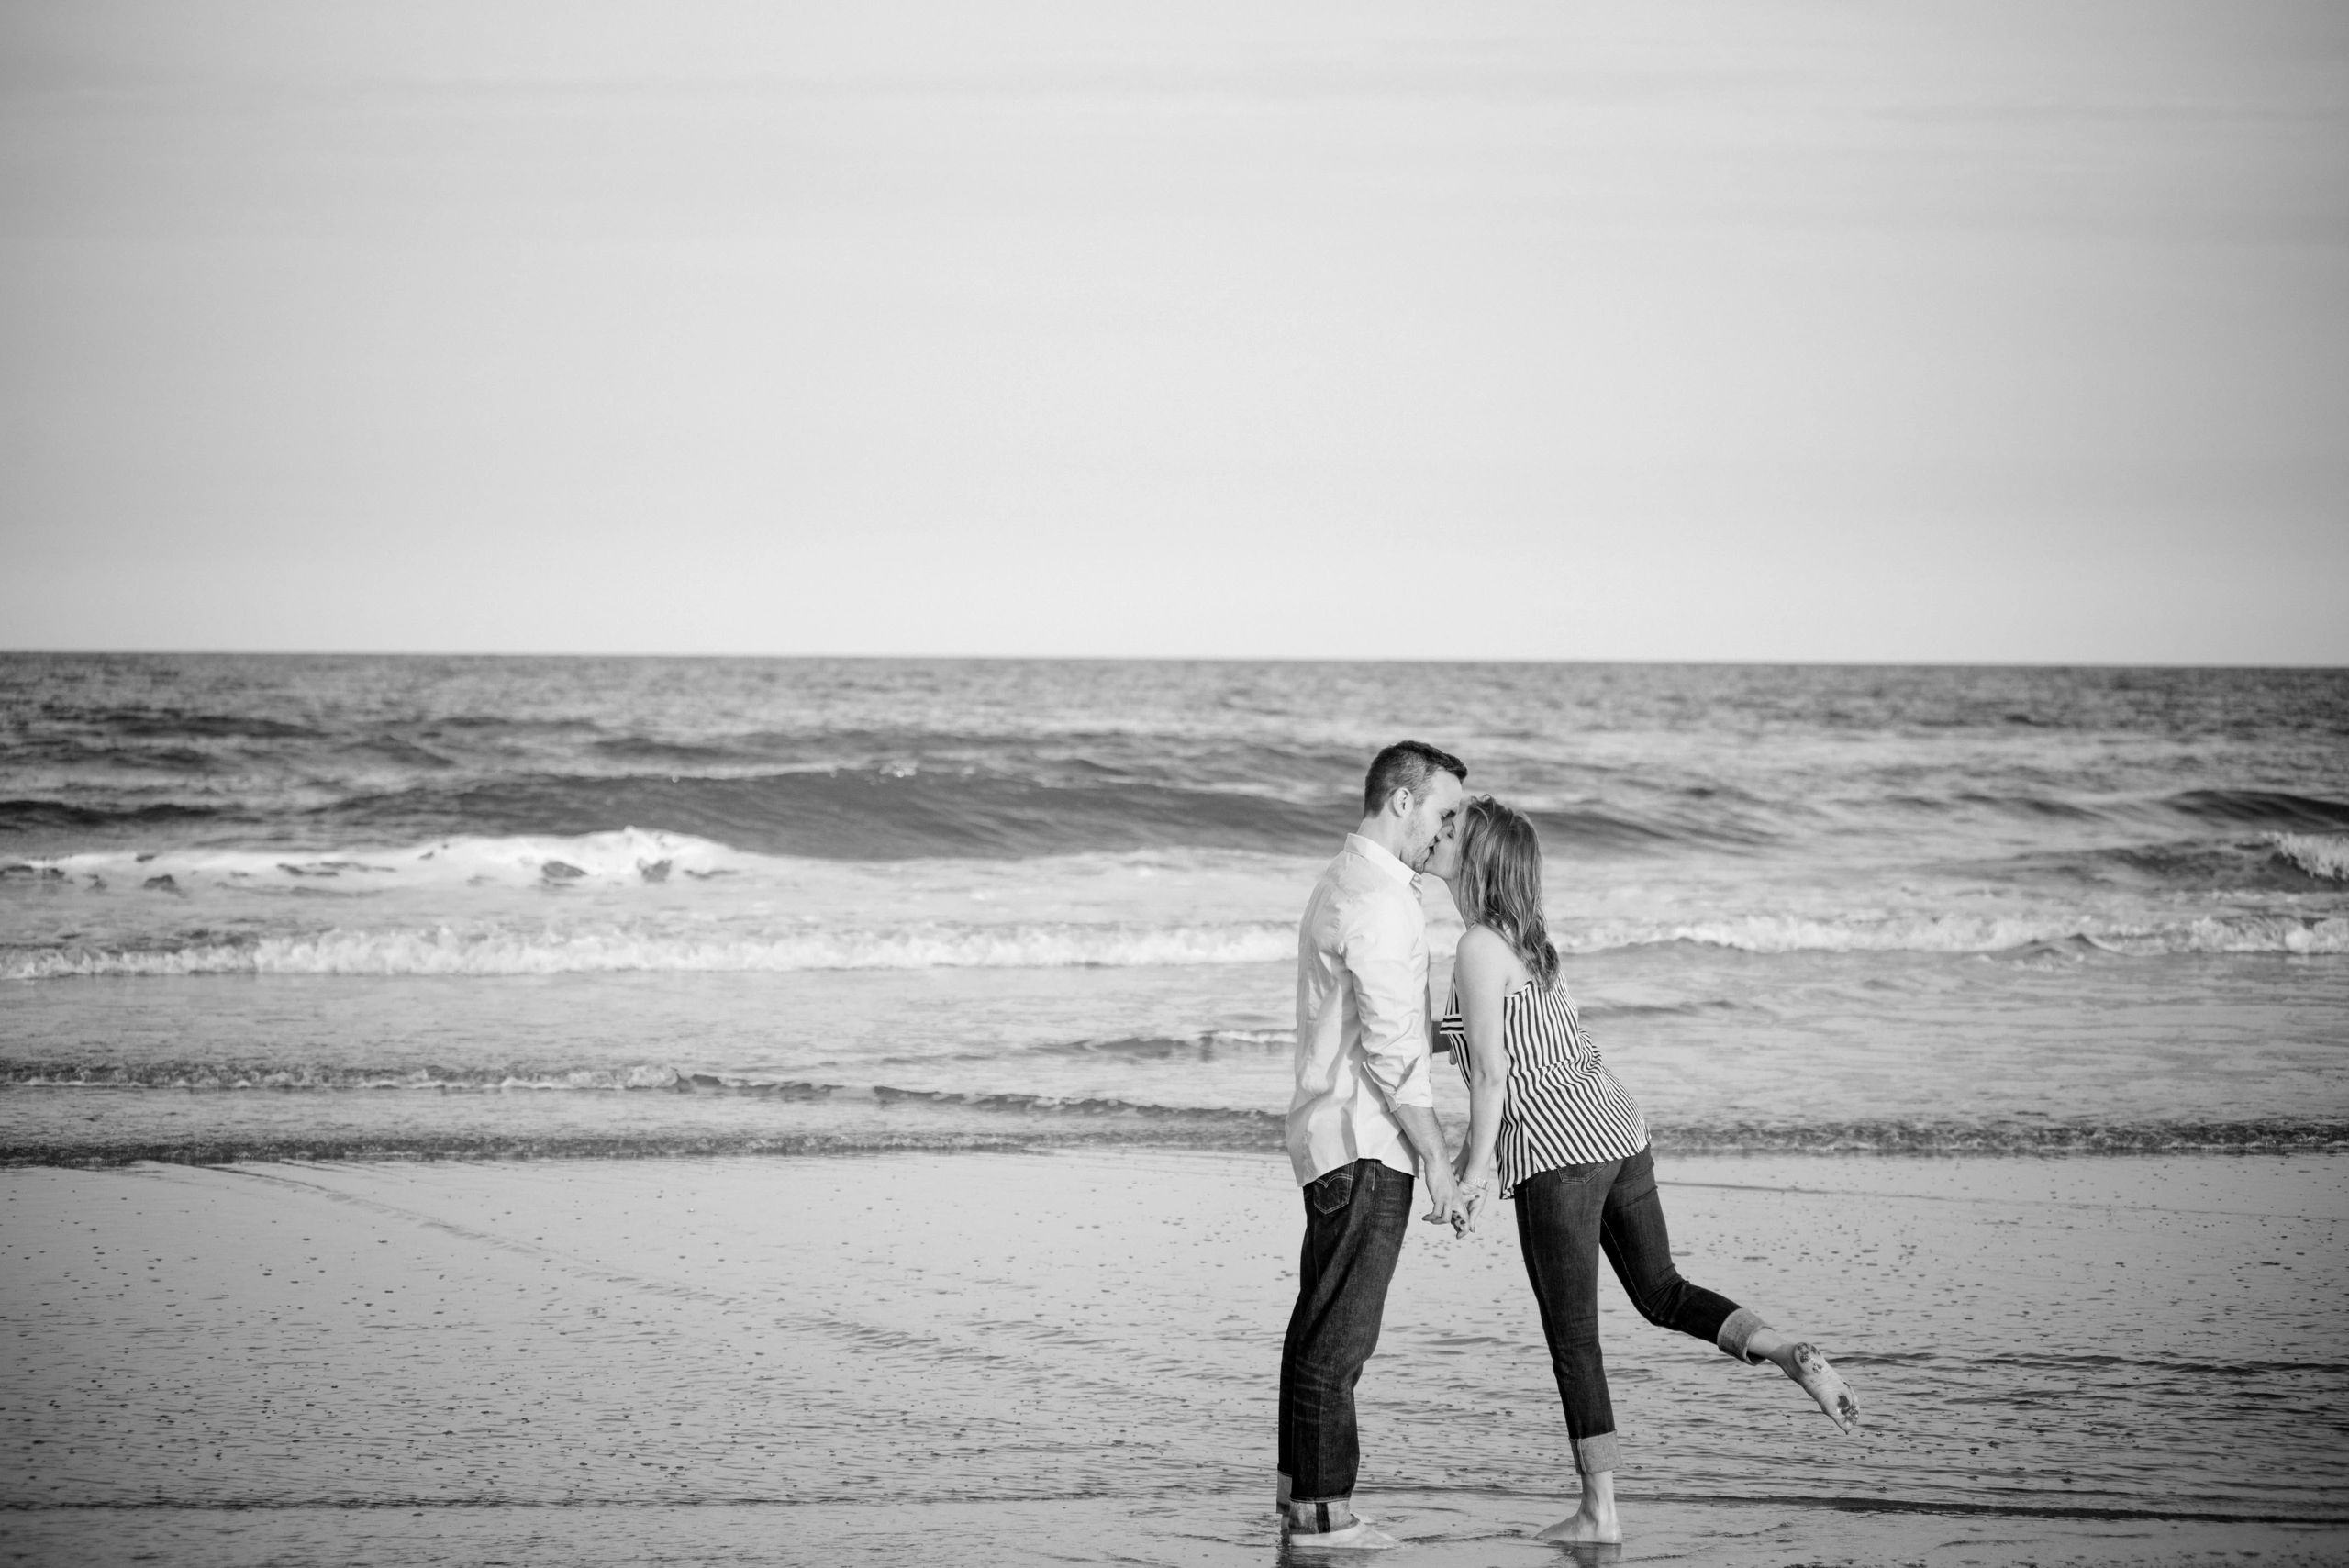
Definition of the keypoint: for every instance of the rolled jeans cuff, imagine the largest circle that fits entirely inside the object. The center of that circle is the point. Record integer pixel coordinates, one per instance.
(1595, 1455)
(1314, 1517)
(1737, 1330)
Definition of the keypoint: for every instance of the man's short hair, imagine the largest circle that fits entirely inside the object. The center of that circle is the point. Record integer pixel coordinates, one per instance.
(1407, 764)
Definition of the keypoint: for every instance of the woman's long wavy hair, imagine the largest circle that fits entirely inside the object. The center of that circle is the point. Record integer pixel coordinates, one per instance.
(1500, 881)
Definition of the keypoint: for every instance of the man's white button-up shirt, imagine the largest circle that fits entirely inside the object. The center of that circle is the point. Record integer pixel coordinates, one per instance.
(1361, 1015)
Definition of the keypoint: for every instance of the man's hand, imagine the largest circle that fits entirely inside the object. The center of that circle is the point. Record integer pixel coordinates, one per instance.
(1443, 1194)
(1435, 1164)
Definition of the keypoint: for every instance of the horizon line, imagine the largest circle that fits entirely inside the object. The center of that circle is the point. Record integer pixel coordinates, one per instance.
(1852, 663)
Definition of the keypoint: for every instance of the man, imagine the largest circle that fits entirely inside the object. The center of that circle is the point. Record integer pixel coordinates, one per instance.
(1361, 1122)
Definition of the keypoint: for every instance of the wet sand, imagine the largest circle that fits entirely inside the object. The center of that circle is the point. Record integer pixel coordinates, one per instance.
(1026, 1358)
(1445, 1530)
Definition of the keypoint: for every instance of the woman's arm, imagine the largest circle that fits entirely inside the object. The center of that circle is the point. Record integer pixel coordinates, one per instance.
(1482, 972)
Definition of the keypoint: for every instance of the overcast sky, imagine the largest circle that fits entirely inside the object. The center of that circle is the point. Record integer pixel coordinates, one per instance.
(1736, 330)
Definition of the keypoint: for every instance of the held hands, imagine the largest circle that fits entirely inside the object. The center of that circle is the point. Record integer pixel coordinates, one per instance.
(1472, 1191)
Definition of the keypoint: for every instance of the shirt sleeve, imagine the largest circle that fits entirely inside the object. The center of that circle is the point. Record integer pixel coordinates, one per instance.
(1386, 960)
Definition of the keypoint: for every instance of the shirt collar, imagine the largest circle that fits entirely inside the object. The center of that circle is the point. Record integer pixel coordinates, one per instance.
(1383, 858)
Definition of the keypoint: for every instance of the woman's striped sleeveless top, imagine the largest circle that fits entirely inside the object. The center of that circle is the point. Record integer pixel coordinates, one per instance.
(1564, 1106)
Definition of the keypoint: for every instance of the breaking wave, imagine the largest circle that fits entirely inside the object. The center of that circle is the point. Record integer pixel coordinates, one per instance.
(625, 856)
(886, 813)
(2322, 855)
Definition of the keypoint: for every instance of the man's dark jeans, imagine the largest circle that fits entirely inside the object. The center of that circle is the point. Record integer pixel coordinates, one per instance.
(1354, 1220)
(1563, 1218)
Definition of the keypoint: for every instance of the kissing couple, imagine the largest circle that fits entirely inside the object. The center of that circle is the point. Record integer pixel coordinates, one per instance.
(1549, 1126)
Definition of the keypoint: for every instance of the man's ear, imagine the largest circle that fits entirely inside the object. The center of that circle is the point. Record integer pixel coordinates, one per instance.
(1399, 801)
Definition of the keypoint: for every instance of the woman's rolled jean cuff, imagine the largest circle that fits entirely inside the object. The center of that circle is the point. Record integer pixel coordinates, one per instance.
(1737, 1332)
(1595, 1455)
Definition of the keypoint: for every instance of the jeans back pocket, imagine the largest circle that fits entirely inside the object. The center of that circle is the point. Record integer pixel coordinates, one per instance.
(1331, 1192)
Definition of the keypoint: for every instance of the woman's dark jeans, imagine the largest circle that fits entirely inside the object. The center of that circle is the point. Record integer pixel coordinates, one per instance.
(1354, 1220)
(1563, 1218)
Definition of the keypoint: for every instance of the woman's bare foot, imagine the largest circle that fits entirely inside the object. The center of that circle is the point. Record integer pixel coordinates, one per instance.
(1581, 1529)
(1595, 1523)
(1802, 1362)
(1800, 1359)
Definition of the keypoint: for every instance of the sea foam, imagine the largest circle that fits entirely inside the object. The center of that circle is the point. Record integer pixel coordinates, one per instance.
(622, 856)
(598, 948)
(454, 951)
(1774, 933)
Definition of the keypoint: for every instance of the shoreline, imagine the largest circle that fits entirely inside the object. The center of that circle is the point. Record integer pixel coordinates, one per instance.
(1243, 1503)
(210, 1153)
(387, 1124)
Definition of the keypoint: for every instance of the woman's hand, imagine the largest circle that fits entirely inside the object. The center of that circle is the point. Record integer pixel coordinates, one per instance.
(1476, 1189)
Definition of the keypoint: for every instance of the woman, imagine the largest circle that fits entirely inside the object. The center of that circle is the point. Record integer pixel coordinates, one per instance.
(1551, 1125)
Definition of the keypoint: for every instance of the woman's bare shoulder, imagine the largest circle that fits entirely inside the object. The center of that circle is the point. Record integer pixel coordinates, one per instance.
(1481, 939)
(1484, 955)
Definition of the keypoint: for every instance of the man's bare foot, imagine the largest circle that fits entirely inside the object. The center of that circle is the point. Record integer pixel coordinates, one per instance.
(1359, 1535)
(1347, 1531)
(1802, 1362)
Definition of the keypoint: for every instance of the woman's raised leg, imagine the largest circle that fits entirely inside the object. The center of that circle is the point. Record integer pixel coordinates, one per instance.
(1638, 1244)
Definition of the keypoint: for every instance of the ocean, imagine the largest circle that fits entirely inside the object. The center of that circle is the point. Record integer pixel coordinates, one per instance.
(261, 906)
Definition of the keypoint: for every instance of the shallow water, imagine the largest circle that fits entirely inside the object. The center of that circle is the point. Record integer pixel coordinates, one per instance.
(1727, 1050)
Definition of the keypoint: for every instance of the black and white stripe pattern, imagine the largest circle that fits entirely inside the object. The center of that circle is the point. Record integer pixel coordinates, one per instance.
(1564, 1106)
